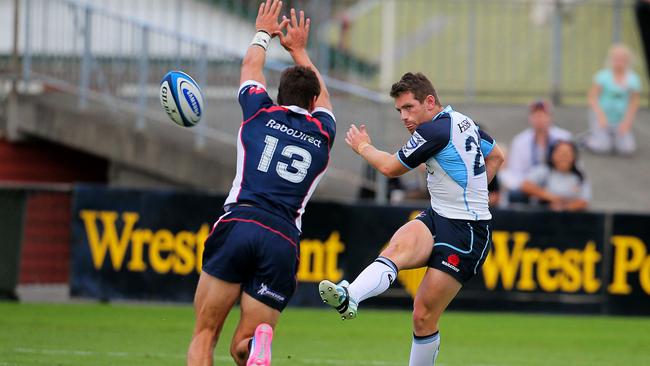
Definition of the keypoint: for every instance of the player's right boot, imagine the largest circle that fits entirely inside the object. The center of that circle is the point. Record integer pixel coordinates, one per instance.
(260, 353)
(337, 296)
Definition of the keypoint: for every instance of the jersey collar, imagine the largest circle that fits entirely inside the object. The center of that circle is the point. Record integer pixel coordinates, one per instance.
(447, 109)
(296, 109)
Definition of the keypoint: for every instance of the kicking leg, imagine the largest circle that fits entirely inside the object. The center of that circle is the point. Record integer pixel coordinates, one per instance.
(258, 320)
(410, 247)
(213, 300)
(434, 295)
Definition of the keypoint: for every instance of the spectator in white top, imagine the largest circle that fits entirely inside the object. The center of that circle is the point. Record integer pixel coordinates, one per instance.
(530, 148)
(559, 184)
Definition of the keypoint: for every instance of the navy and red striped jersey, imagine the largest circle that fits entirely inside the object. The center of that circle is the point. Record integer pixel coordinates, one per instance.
(282, 153)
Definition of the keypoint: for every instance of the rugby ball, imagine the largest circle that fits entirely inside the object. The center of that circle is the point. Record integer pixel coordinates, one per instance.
(181, 98)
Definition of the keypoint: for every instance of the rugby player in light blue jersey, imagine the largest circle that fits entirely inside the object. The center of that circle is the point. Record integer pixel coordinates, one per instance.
(452, 237)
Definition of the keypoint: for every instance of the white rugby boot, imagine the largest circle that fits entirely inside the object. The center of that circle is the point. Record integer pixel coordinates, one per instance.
(337, 296)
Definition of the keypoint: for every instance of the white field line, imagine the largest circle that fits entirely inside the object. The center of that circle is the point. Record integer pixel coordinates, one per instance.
(312, 361)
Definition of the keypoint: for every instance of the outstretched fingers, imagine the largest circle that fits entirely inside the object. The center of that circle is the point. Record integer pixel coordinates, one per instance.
(284, 23)
(280, 32)
(276, 7)
(294, 19)
(301, 22)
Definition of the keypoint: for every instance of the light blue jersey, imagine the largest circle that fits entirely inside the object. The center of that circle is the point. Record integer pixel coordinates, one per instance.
(615, 98)
(453, 149)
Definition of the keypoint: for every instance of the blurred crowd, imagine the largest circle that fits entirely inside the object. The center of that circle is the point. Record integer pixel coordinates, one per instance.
(543, 167)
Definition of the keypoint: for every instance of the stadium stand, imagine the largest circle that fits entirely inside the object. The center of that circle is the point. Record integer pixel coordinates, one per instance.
(106, 114)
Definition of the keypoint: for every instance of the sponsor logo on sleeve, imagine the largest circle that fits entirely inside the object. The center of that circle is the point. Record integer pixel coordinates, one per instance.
(413, 144)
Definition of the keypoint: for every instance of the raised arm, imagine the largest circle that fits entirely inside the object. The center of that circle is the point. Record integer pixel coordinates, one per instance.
(295, 42)
(267, 25)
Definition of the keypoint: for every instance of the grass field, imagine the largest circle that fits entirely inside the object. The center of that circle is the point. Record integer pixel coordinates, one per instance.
(91, 334)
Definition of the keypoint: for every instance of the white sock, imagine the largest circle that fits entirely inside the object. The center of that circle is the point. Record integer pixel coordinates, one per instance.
(374, 280)
(424, 350)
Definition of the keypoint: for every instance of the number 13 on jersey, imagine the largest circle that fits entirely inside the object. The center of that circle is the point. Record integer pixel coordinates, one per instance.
(289, 151)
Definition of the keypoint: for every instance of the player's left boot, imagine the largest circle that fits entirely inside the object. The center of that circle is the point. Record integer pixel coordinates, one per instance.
(260, 354)
(338, 297)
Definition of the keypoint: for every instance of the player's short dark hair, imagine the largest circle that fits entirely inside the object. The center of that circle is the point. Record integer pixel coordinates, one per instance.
(298, 86)
(418, 84)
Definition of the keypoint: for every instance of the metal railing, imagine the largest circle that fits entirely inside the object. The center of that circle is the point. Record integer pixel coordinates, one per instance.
(488, 50)
(474, 50)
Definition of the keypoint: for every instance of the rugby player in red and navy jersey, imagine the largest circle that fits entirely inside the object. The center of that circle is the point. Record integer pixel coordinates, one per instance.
(282, 153)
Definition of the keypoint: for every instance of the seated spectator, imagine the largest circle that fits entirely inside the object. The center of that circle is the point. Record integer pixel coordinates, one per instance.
(614, 100)
(559, 184)
(530, 148)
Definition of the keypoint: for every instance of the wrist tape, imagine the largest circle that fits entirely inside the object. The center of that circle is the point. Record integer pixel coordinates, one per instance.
(262, 39)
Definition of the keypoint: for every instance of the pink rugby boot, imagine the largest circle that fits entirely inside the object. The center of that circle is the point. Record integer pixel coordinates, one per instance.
(260, 354)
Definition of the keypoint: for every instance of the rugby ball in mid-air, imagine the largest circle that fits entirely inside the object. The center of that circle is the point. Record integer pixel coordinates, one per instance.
(181, 98)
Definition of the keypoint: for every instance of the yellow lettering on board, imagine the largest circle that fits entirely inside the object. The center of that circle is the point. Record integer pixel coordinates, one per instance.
(109, 241)
(501, 262)
(624, 263)
(162, 242)
(184, 253)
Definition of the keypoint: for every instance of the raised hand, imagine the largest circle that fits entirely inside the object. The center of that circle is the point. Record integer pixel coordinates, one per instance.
(357, 138)
(297, 32)
(267, 17)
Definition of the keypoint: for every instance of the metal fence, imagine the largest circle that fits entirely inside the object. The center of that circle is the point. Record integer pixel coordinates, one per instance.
(485, 50)
(474, 50)
(94, 49)
(482, 50)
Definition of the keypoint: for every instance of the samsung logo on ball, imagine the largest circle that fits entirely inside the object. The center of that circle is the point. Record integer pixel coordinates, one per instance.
(191, 98)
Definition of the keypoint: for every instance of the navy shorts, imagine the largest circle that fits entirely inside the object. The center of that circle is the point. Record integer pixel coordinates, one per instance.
(460, 246)
(257, 249)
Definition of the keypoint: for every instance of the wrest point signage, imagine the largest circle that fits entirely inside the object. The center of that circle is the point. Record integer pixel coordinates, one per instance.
(115, 240)
(149, 245)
